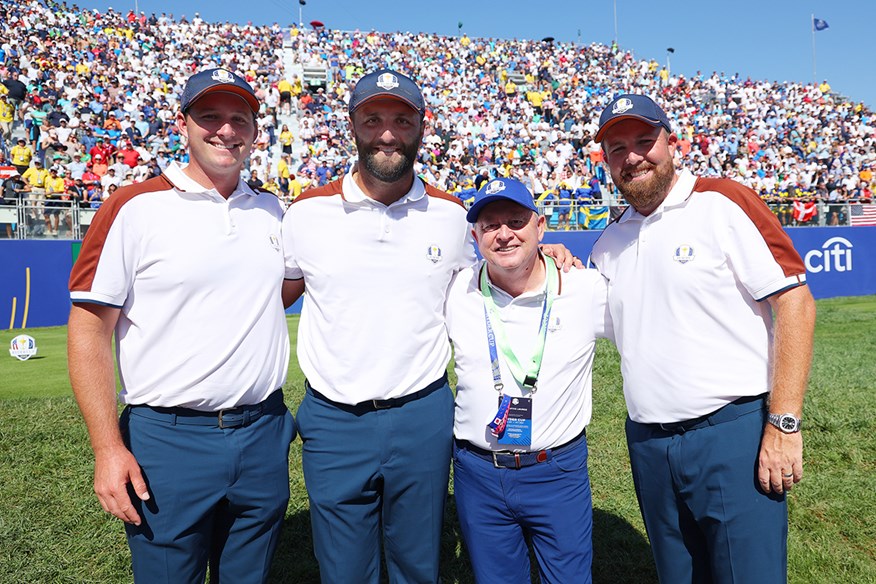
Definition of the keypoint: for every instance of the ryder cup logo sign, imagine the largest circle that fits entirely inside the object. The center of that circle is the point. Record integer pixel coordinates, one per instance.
(622, 105)
(387, 81)
(494, 187)
(835, 255)
(23, 347)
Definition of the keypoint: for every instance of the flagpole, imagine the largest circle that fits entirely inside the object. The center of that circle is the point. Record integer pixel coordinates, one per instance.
(615, 23)
(814, 75)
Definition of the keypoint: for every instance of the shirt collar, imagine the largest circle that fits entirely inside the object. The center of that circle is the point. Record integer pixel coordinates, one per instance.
(181, 181)
(354, 194)
(537, 294)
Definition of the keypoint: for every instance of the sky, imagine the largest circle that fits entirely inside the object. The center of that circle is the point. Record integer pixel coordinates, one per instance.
(761, 39)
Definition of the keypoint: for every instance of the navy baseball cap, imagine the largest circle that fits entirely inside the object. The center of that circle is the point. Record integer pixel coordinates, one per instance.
(497, 190)
(387, 84)
(212, 80)
(630, 105)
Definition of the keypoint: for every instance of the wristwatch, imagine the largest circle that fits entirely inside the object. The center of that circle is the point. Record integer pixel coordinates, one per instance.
(787, 423)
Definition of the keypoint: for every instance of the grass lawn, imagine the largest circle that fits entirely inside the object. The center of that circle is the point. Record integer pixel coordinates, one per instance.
(53, 530)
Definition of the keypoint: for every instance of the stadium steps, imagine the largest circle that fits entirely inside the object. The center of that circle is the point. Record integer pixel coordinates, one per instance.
(291, 66)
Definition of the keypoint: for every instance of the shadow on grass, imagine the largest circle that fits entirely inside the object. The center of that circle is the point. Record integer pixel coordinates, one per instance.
(620, 553)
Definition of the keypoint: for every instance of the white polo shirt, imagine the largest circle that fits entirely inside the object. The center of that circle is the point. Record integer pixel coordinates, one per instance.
(562, 402)
(372, 324)
(198, 279)
(685, 288)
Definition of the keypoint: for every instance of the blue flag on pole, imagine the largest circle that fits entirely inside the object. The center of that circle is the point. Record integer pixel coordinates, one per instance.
(819, 24)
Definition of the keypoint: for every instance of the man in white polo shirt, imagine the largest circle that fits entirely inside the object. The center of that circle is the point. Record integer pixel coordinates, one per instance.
(697, 270)
(186, 270)
(523, 335)
(376, 251)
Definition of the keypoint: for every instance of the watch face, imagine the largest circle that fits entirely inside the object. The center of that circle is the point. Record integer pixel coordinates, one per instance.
(788, 423)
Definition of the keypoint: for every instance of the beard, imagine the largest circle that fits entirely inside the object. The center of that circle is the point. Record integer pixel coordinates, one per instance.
(388, 171)
(647, 194)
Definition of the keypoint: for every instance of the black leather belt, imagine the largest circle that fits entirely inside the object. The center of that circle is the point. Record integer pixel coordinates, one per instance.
(730, 412)
(229, 418)
(381, 404)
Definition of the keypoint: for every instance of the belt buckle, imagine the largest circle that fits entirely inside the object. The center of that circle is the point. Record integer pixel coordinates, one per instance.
(496, 460)
(221, 421)
(381, 404)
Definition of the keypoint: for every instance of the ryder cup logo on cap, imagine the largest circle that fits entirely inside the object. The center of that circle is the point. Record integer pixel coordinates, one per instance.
(222, 76)
(23, 347)
(387, 81)
(631, 106)
(500, 189)
(622, 105)
(496, 186)
(217, 80)
(388, 85)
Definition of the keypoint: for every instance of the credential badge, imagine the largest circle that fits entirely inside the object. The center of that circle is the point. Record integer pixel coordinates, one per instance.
(434, 253)
(387, 81)
(622, 105)
(684, 253)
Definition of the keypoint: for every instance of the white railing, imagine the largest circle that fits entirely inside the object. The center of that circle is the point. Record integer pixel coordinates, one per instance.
(31, 219)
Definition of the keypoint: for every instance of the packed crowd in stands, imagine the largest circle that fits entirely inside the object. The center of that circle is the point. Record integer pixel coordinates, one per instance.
(96, 92)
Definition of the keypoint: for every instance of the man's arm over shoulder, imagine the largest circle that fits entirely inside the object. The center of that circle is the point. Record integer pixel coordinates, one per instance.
(92, 376)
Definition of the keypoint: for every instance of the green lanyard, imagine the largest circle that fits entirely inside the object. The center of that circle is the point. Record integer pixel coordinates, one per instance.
(496, 336)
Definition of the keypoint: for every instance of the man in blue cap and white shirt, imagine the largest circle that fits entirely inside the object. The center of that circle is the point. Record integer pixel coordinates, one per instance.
(697, 270)
(376, 251)
(197, 468)
(524, 335)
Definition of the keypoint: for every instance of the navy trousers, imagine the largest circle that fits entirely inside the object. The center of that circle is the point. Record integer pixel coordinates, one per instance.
(377, 476)
(218, 495)
(549, 502)
(706, 517)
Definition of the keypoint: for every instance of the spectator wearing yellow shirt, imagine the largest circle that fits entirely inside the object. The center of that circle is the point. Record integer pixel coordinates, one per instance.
(283, 175)
(536, 98)
(36, 177)
(295, 186)
(21, 155)
(285, 89)
(7, 116)
(56, 191)
(286, 138)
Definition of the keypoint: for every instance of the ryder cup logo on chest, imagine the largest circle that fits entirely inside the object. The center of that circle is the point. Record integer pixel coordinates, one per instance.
(387, 81)
(23, 347)
(684, 253)
(434, 253)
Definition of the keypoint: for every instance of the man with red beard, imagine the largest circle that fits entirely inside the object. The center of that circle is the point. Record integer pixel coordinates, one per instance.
(697, 270)
(376, 251)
